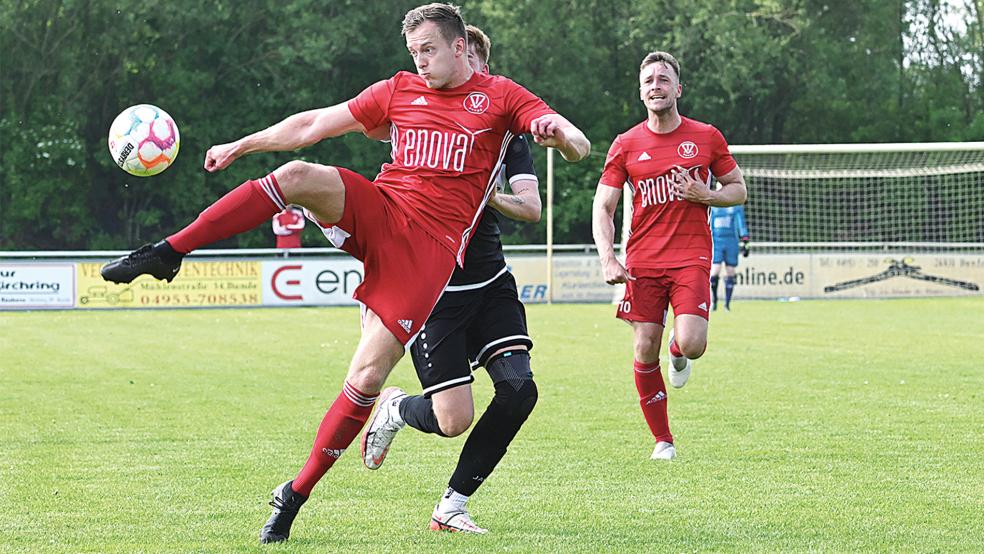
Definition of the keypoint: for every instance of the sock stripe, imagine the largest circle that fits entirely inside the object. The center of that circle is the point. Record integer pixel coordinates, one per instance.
(357, 397)
(272, 190)
(641, 367)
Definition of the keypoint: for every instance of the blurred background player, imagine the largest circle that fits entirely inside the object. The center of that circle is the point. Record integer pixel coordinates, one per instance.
(409, 227)
(730, 234)
(668, 161)
(288, 226)
(479, 321)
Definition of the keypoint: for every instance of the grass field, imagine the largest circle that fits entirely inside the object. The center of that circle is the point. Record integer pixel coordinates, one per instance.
(829, 426)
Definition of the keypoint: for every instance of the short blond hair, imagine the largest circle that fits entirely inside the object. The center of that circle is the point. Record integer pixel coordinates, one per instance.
(481, 42)
(661, 57)
(446, 16)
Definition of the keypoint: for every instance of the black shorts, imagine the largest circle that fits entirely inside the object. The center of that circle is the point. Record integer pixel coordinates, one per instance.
(467, 326)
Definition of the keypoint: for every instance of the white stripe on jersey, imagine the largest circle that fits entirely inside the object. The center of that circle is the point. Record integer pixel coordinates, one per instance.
(506, 139)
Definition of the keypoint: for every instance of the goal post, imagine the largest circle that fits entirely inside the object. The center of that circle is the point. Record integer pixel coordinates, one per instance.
(863, 196)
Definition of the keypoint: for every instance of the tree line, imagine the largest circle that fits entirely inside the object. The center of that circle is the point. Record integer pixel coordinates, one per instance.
(762, 71)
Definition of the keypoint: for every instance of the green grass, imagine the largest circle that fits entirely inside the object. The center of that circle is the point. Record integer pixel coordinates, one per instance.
(831, 426)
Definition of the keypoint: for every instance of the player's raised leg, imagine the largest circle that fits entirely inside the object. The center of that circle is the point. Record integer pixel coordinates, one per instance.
(689, 296)
(316, 187)
(377, 354)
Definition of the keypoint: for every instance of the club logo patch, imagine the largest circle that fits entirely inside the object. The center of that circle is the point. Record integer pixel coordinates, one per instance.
(477, 103)
(687, 150)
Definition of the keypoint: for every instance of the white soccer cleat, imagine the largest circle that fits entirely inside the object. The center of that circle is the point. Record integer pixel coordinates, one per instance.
(383, 427)
(454, 521)
(680, 366)
(664, 451)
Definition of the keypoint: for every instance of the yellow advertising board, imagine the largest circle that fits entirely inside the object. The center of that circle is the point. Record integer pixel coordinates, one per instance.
(199, 284)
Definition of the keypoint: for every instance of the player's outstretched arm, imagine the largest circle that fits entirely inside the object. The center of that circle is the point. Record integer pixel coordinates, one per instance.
(553, 131)
(297, 131)
(603, 229)
(523, 204)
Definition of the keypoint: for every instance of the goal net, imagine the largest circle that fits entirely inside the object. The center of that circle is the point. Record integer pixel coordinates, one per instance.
(862, 196)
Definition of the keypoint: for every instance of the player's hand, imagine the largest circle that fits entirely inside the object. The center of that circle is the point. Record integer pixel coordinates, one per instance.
(547, 130)
(744, 247)
(687, 186)
(220, 157)
(615, 272)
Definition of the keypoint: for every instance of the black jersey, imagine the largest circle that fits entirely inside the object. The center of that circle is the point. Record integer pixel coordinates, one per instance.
(484, 259)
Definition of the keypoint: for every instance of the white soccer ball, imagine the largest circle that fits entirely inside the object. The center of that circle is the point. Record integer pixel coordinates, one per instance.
(144, 140)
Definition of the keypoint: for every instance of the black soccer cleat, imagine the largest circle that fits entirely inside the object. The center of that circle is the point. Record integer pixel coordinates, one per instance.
(285, 504)
(159, 260)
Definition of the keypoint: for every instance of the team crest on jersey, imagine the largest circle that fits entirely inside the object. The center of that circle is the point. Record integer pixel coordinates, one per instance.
(687, 150)
(477, 103)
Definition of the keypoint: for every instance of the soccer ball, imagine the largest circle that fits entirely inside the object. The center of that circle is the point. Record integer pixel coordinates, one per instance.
(144, 140)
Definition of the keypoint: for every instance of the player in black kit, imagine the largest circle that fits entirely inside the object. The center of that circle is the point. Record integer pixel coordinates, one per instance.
(479, 321)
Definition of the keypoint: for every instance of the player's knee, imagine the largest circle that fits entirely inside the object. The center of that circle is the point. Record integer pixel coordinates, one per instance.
(646, 348)
(515, 392)
(693, 348)
(292, 173)
(519, 401)
(454, 423)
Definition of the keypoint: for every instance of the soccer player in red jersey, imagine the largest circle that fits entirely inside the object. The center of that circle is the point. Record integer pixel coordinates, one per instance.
(287, 227)
(450, 129)
(669, 162)
(479, 322)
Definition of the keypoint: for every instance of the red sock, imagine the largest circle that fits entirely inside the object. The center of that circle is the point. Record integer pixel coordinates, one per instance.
(652, 398)
(241, 209)
(345, 418)
(674, 349)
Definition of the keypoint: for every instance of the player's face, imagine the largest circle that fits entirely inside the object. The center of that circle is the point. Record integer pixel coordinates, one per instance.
(435, 59)
(659, 87)
(475, 61)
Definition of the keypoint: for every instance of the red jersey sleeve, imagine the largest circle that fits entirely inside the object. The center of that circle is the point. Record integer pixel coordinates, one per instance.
(614, 175)
(723, 161)
(525, 107)
(371, 106)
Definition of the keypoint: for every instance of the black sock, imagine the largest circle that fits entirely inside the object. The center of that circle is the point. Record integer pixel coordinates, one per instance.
(418, 412)
(714, 289)
(487, 443)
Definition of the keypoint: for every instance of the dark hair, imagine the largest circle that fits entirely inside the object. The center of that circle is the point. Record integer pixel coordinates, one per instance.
(447, 17)
(665, 57)
(481, 42)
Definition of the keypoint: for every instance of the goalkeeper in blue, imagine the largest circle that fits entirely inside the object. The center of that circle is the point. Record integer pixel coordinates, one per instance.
(730, 234)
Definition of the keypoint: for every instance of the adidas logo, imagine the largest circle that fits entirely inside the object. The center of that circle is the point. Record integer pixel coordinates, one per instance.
(644, 156)
(420, 101)
(658, 397)
(703, 306)
(333, 452)
(408, 323)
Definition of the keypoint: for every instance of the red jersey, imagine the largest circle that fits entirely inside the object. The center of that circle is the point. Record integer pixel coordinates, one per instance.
(447, 145)
(287, 226)
(667, 231)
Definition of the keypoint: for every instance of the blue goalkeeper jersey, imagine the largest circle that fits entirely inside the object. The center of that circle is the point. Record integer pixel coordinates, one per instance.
(728, 224)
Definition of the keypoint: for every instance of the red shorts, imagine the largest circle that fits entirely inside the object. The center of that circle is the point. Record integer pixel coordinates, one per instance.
(687, 289)
(405, 269)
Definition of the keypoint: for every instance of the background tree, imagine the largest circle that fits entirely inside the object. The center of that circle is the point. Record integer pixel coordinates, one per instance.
(763, 71)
